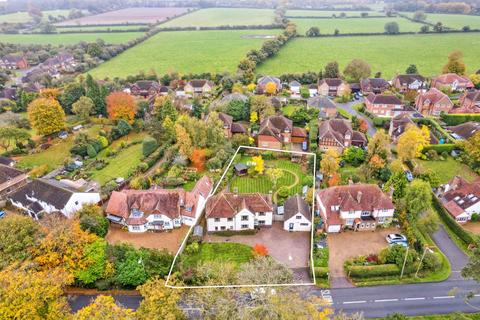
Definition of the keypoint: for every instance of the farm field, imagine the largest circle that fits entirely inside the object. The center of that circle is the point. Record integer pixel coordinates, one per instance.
(21, 17)
(129, 15)
(66, 39)
(101, 28)
(388, 54)
(455, 21)
(361, 25)
(214, 17)
(329, 13)
(185, 52)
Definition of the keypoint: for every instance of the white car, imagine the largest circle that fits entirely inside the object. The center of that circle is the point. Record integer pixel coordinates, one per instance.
(396, 237)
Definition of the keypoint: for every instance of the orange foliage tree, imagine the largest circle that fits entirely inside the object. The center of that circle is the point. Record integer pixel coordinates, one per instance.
(362, 125)
(198, 159)
(121, 105)
(260, 250)
(49, 93)
(334, 180)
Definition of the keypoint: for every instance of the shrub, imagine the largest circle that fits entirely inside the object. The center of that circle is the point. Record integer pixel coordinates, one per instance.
(321, 272)
(39, 171)
(149, 145)
(380, 122)
(431, 262)
(440, 148)
(93, 220)
(283, 192)
(91, 152)
(192, 248)
(455, 119)
(381, 270)
(103, 141)
(475, 217)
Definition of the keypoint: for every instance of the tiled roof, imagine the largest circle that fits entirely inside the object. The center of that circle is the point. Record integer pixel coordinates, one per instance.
(275, 126)
(464, 193)
(7, 173)
(433, 95)
(331, 82)
(407, 79)
(383, 99)
(449, 78)
(465, 130)
(227, 205)
(321, 102)
(294, 205)
(42, 190)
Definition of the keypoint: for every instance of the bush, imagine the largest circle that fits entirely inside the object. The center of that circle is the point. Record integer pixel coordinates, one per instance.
(381, 270)
(283, 192)
(440, 148)
(103, 141)
(380, 122)
(91, 152)
(455, 119)
(93, 220)
(431, 262)
(39, 171)
(231, 233)
(149, 145)
(321, 272)
(475, 217)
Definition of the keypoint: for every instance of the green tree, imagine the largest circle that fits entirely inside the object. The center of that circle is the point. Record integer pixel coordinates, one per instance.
(95, 262)
(149, 145)
(71, 93)
(354, 156)
(398, 182)
(83, 107)
(332, 70)
(98, 94)
(313, 32)
(262, 106)
(419, 16)
(472, 269)
(412, 69)
(94, 49)
(164, 107)
(392, 27)
(104, 308)
(9, 135)
(159, 302)
(131, 271)
(418, 198)
(239, 110)
(357, 69)
(93, 220)
(169, 130)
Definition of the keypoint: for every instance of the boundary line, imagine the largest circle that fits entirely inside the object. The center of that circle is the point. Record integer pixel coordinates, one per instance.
(312, 269)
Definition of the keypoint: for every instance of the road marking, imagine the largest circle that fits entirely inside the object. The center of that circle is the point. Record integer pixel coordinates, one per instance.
(444, 297)
(385, 300)
(352, 302)
(413, 299)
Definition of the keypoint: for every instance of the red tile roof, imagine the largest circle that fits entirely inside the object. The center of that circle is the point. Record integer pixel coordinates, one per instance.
(227, 205)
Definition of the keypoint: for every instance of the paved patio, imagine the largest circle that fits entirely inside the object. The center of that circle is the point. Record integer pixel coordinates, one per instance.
(473, 227)
(289, 248)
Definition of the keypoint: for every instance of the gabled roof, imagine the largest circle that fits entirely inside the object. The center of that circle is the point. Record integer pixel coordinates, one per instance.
(235, 97)
(227, 205)
(199, 83)
(433, 96)
(383, 99)
(44, 191)
(266, 79)
(331, 82)
(146, 85)
(226, 119)
(294, 83)
(407, 79)
(6, 161)
(337, 129)
(399, 124)
(465, 194)
(465, 130)
(374, 83)
(321, 102)
(296, 204)
(275, 126)
(13, 58)
(473, 96)
(7, 173)
(449, 78)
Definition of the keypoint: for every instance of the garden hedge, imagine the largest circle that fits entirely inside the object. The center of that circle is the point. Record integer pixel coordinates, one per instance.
(321, 272)
(381, 270)
(464, 235)
(456, 119)
(440, 147)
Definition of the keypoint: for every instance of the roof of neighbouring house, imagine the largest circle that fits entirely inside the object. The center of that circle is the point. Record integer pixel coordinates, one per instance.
(236, 96)
(465, 194)
(7, 173)
(296, 204)
(449, 78)
(6, 161)
(147, 84)
(266, 79)
(399, 124)
(294, 83)
(44, 191)
(227, 205)
(409, 78)
(473, 96)
(371, 83)
(331, 82)
(383, 99)
(199, 83)
(275, 125)
(321, 102)
(465, 130)
(226, 119)
(433, 95)
(337, 129)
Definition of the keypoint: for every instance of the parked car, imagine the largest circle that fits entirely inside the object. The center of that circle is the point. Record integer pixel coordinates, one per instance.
(396, 237)
(409, 175)
(2, 214)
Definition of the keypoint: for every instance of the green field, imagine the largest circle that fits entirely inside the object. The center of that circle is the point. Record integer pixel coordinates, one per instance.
(185, 52)
(328, 26)
(455, 21)
(102, 28)
(21, 17)
(66, 39)
(327, 13)
(214, 17)
(388, 54)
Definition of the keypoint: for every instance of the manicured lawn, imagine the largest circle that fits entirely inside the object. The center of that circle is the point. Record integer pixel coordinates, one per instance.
(388, 54)
(185, 52)
(449, 168)
(214, 17)
(219, 252)
(371, 25)
(72, 38)
(455, 21)
(326, 13)
(289, 110)
(21, 17)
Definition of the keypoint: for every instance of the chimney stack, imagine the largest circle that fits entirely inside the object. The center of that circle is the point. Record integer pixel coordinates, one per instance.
(359, 196)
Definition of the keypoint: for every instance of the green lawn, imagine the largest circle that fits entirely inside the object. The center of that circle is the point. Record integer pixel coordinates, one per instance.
(219, 252)
(455, 21)
(72, 38)
(184, 52)
(96, 28)
(289, 110)
(21, 17)
(388, 54)
(214, 17)
(327, 13)
(449, 168)
(373, 25)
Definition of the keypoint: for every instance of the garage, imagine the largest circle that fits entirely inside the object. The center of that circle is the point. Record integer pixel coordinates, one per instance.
(334, 228)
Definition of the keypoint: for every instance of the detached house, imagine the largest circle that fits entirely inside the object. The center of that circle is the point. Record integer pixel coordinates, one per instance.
(337, 134)
(406, 82)
(230, 127)
(374, 85)
(158, 209)
(42, 196)
(433, 102)
(328, 109)
(359, 207)
(469, 103)
(295, 87)
(10, 180)
(11, 62)
(278, 131)
(333, 87)
(145, 88)
(465, 130)
(263, 81)
(312, 90)
(198, 87)
(398, 125)
(242, 211)
(297, 214)
(383, 105)
(452, 82)
(461, 198)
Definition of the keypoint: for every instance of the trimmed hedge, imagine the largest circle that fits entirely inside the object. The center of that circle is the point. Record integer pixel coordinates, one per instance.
(231, 233)
(381, 270)
(321, 272)
(456, 119)
(464, 235)
(381, 122)
(440, 147)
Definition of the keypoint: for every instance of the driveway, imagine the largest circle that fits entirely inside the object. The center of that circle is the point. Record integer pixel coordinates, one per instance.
(169, 240)
(349, 108)
(457, 258)
(473, 227)
(289, 248)
(349, 244)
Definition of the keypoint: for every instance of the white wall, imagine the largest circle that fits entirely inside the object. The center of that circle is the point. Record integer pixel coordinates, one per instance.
(473, 209)
(297, 223)
(168, 223)
(141, 228)
(77, 200)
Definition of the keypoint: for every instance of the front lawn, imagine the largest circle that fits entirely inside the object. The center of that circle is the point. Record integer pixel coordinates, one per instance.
(219, 252)
(449, 168)
(289, 110)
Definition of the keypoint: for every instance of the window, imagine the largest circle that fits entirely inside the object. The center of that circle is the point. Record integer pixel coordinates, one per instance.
(261, 214)
(230, 219)
(216, 228)
(244, 226)
(231, 228)
(136, 228)
(223, 227)
(261, 222)
(365, 213)
(217, 219)
(298, 217)
(76, 203)
(244, 218)
(304, 224)
(157, 216)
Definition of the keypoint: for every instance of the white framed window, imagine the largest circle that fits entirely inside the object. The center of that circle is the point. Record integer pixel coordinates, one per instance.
(244, 218)
(244, 226)
(136, 228)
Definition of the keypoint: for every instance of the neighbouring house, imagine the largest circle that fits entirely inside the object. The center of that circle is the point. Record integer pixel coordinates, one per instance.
(406, 82)
(12, 62)
(469, 103)
(164, 90)
(230, 127)
(461, 198)
(42, 196)
(63, 62)
(236, 96)
(238, 211)
(452, 82)
(337, 134)
(158, 209)
(313, 90)
(10, 180)
(398, 125)
(7, 161)
(357, 206)
(263, 81)
(199, 87)
(328, 109)
(295, 87)
(465, 130)
(145, 88)
(297, 214)
(180, 91)
(8, 94)
(433, 102)
(383, 105)
(278, 131)
(333, 87)
(374, 85)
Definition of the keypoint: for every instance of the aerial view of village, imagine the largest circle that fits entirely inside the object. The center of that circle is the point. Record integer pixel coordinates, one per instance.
(230, 160)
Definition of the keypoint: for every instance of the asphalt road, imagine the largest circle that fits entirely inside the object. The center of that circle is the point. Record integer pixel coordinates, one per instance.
(348, 107)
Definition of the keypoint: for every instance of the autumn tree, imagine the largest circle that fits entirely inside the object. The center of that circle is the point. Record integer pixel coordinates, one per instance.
(332, 70)
(271, 88)
(334, 180)
(259, 164)
(104, 308)
(169, 133)
(455, 63)
(83, 107)
(362, 125)
(262, 106)
(379, 145)
(184, 141)
(357, 69)
(159, 302)
(472, 147)
(12, 135)
(163, 107)
(49, 93)
(198, 159)
(274, 174)
(121, 105)
(260, 250)
(329, 163)
(46, 116)
(411, 142)
(93, 220)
